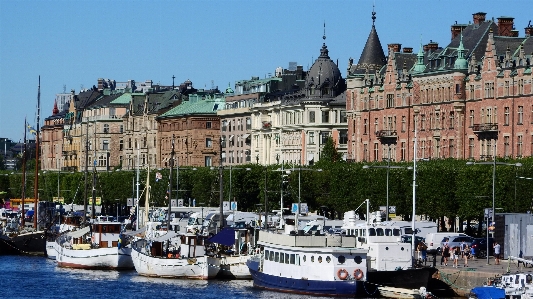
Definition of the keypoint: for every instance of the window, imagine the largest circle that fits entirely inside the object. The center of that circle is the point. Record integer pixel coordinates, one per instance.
(506, 89)
(311, 137)
(208, 143)
(520, 115)
(208, 125)
(376, 151)
(106, 128)
(121, 145)
(311, 116)
(404, 124)
(343, 137)
(248, 123)
(208, 161)
(451, 148)
(471, 118)
(452, 120)
(471, 148)
(403, 152)
(145, 141)
(121, 129)
(344, 119)
(376, 125)
(390, 100)
(506, 116)
(224, 125)
(365, 126)
(506, 146)
(519, 146)
(325, 117)
(105, 145)
(457, 88)
(324, 137)
(471, 93)
(223, 140)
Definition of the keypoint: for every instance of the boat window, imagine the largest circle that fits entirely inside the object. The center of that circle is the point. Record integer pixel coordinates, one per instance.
(304, 258)
(271, 257)
(396, 232)
(287, 258)
(341, 259)
(379, 232)
(267, 254)
(104, 228)
(276, 259)
(293, 259)
(362, 232)
(320, 259)
(388, 232)
(358, 259)
(371, 232)
(328, 259)
(281, 258)
(312, 259)
(298, 259)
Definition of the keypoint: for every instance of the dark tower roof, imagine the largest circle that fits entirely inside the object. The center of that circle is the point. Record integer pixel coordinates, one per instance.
(373, 56)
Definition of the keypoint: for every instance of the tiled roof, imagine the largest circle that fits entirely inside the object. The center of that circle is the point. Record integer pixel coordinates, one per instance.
(372, 56)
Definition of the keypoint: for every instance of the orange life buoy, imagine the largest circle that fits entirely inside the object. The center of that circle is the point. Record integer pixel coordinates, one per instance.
(342, 274)
(358, 274)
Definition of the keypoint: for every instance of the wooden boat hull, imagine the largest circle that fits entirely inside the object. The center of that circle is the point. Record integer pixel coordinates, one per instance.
(97, 258)
(202, 267)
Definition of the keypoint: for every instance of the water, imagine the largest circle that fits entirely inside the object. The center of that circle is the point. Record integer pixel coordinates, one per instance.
(38, 277)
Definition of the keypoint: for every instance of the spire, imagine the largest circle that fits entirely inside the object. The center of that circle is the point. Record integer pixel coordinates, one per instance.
(324, 51)
(461, 63)
(372, 55)
(55, 111)
(419, 66)
(373, 16)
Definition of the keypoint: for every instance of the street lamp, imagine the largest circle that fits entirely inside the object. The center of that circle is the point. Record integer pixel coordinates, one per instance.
(118, 201)
(493, 163)
(300, 190)
(388, 167)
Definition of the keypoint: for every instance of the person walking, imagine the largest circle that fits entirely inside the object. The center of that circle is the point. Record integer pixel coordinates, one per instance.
(466, 255)
(497, 256)
(446, 253)
(456, 255)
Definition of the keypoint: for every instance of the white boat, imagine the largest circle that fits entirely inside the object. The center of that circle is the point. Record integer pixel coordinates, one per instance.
(69, 222)
(174, 256)
(320, 265)
(98, 246)
(402, 293)
(233, 251)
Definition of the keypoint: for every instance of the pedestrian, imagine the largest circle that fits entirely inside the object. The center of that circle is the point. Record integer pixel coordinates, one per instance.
(466, 254)
(456, 255)
(497, 257)
(446, 253)
(463, 244)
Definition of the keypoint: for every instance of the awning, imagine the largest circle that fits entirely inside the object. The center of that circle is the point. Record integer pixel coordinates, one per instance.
(225, 237)
(231, 137)
(139, 231)
(245, 136)
(80, 232)
(165, 237)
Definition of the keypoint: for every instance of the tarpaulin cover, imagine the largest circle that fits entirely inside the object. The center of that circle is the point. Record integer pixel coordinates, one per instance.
(489, 292)
(225, 237)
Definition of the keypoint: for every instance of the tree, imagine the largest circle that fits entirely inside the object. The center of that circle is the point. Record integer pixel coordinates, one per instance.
(329, 152)
(2, 162)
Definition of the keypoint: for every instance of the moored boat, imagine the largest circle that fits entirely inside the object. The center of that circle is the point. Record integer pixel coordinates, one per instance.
(98, 246)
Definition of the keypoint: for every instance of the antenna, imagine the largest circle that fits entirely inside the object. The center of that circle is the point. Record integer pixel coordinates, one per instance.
(64, 88)
(324, 36)
(212, 84)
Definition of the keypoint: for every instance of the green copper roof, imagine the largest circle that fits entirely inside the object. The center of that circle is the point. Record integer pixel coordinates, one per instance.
(207, 104)
(125, 98)
(419, 66)
(461, 63)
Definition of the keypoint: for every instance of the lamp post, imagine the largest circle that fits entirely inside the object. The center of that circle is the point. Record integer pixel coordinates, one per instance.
(388, 167)
(118, 201)
(493, 163)
(300, 190)
(231, 168)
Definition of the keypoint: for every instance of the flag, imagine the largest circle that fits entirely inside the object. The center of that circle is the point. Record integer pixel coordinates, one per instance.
(31, 129)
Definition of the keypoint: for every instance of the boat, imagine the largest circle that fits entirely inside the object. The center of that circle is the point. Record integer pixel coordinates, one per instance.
(390, 259)
(232, 250)
(511, 285)
(174, 255)
(101, 245)
(70, 222)
(402, 293)
(317, 265)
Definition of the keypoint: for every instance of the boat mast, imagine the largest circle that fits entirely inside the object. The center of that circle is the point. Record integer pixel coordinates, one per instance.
(94, 176)
(86, 168)
(36, 184)
(24, 173)
(413, 217)
(137, 206)
(169, 193)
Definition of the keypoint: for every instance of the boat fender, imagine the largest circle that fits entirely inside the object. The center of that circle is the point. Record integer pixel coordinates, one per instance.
(358, 274)
(342, 274)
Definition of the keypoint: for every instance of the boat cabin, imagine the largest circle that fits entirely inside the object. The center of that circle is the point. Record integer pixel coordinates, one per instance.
(106, 234)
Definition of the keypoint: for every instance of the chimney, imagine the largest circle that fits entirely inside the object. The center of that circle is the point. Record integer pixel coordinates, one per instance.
(529, 30)
(426, 48)
(505, 26)
(514, 33)
(408, 50)
(479, 17)
(432, 46)
(101, 83)
(393, 48)
(457, 29)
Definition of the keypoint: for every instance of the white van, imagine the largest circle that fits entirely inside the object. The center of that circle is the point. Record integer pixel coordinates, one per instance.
(433, 240)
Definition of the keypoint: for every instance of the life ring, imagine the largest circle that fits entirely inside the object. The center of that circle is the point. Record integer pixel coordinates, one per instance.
(358, 274)
(342, 274)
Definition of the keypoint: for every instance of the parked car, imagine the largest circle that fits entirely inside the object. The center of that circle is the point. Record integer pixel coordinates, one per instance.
(456, 241)
(479, 247)
(433, 240)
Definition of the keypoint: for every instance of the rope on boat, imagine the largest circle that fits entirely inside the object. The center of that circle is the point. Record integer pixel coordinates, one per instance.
(449, 282)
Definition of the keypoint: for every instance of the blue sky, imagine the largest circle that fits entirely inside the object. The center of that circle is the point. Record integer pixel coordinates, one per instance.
(72, 43)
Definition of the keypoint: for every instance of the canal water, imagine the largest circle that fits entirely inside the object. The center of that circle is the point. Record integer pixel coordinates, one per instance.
(38, 277)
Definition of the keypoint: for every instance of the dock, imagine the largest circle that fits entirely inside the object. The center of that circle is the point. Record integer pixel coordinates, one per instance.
(462, 279)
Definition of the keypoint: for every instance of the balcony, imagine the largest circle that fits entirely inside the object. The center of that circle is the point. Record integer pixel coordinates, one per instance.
(386, 134)
(485, 128)
(267, 125)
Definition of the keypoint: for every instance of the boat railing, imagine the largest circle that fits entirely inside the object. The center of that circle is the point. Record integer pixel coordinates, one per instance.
(307, 241)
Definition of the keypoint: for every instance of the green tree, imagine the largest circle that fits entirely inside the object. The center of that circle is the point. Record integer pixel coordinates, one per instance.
(329, 152)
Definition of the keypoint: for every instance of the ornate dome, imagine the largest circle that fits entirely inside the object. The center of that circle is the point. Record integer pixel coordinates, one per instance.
(324, 79)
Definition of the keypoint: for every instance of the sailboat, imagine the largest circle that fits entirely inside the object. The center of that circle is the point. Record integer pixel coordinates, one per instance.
(17, 239)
